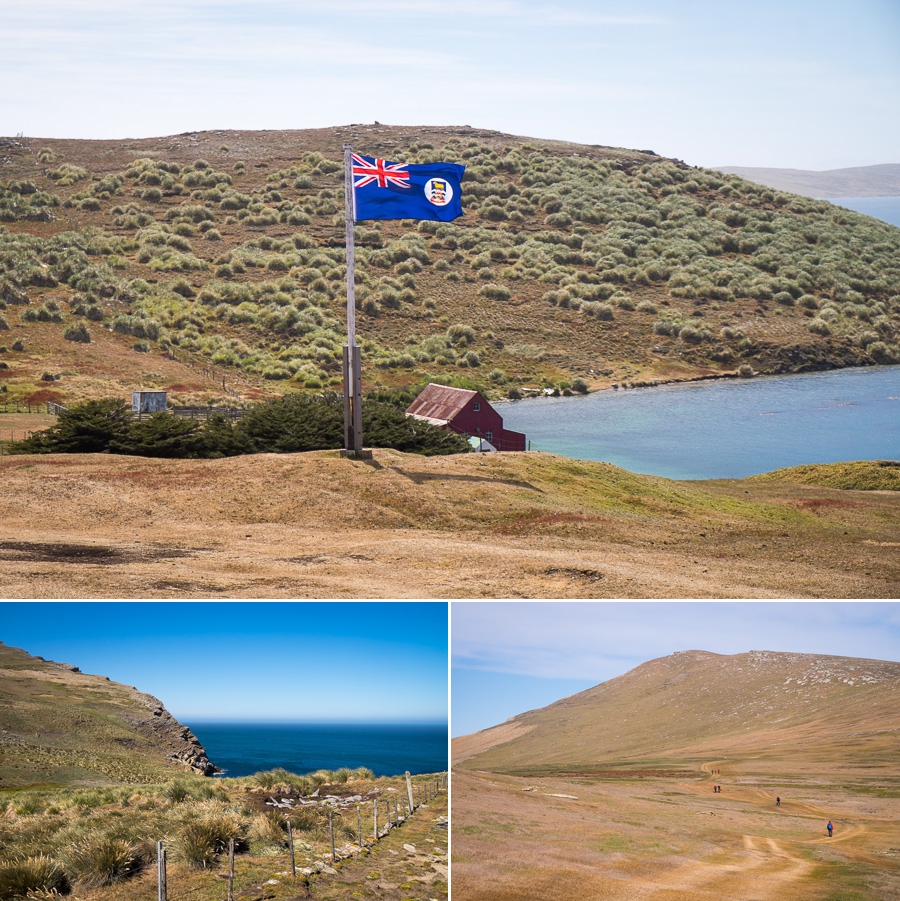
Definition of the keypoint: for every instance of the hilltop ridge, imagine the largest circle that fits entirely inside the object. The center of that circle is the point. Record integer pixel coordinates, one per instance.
(59, 725)
(700, 704)
(856, 181)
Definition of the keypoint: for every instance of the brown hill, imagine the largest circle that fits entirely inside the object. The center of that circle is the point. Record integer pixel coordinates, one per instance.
(857, 181)
(613, 793)
(471, 525)
(59, 726)
(697, 705)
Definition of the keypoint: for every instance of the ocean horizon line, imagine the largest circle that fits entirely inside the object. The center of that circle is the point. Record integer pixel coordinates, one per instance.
(291, 722)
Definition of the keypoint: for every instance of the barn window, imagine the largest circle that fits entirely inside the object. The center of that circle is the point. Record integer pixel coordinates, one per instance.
(477, 406)
(489, 435)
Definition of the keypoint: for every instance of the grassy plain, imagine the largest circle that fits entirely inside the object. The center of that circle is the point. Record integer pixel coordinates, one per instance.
(526, 525)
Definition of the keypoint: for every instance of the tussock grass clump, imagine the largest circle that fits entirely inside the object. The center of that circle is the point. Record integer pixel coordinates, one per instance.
(200, 841)
(78, 333)
(102, 860)
(268, 833)
(23, 877)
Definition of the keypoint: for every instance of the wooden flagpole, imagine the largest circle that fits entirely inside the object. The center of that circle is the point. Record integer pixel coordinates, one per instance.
(353, 440)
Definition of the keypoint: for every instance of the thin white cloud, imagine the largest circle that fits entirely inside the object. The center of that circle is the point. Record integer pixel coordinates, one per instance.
(589, 640)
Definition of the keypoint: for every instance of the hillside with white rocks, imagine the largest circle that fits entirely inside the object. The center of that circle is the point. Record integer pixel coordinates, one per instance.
(696, 704)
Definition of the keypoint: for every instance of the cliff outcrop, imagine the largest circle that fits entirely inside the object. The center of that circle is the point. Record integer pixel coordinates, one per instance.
(59, 725)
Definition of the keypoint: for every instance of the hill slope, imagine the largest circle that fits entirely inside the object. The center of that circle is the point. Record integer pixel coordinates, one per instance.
(61, 726)
(613, 792)
(858, 181)
(694, 704)
(188, 262)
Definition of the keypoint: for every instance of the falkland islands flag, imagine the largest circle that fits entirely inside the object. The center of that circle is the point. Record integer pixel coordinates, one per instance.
(383, 190)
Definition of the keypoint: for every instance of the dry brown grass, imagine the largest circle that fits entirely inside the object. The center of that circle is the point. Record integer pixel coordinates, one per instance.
(316, 525)
(608, 794)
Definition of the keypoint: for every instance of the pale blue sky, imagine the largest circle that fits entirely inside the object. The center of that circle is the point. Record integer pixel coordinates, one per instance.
(509, 657)
(293, 661)
(809, 84)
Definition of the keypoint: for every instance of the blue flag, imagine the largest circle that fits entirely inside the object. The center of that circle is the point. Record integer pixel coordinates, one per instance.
(384, 190)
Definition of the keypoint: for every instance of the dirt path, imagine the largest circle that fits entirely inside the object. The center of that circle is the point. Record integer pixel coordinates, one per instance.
(630, 839)
(409, 864)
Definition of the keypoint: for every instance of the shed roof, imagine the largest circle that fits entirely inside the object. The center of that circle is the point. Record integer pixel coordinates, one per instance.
(439, 404)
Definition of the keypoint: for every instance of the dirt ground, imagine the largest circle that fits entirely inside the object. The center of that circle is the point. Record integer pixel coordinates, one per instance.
(665, 839)
(510, 525)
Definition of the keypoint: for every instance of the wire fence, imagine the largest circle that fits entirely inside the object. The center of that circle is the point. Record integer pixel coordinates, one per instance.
(381, 817)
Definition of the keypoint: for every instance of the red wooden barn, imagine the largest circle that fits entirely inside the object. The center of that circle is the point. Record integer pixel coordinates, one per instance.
(467, 413)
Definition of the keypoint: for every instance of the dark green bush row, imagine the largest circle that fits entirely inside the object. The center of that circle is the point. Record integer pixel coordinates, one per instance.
(290, 424)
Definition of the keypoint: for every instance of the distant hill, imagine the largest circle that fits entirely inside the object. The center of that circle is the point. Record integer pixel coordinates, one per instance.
(858, 181)
(59, 726)
(212, 265)
(696, 705)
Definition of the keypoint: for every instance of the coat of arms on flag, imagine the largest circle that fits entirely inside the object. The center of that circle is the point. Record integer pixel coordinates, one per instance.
(384, 190)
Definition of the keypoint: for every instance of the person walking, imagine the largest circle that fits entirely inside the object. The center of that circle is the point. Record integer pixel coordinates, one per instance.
(830, 828)
(778, 802)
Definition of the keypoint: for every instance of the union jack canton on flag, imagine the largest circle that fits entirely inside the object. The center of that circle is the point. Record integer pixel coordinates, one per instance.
(383, 190)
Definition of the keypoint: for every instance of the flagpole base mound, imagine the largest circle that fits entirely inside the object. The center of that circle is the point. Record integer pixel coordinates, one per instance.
(357, 455)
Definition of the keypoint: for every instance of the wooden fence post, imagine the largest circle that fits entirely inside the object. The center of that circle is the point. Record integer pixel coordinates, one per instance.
(291, 845)
(375, 819)
(331, 831)
(409, 793)
(162, 891)
(359, 826)
(231, 869)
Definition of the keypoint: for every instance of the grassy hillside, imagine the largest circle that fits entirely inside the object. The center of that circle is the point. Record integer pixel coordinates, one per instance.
(59, 726)
(216, 259)
(699, 705)
(100, 844)
(612, 793)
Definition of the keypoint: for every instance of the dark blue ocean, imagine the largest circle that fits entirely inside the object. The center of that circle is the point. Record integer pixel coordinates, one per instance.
(387, 749)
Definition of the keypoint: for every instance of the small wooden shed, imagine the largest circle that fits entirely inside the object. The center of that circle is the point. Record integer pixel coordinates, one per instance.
(148, 402)
(465, 412)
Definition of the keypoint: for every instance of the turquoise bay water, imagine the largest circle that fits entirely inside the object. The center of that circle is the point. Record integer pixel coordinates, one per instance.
(728, 428)
(387, 749)
(885, 208)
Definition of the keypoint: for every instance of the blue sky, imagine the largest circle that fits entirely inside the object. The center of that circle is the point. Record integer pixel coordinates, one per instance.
(291, 661)
(811, 84)
(509, 657)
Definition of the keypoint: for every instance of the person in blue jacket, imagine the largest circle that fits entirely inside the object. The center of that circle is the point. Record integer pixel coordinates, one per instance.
(830, 829)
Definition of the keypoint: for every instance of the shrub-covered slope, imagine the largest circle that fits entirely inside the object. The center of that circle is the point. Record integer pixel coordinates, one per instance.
(225, 249)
